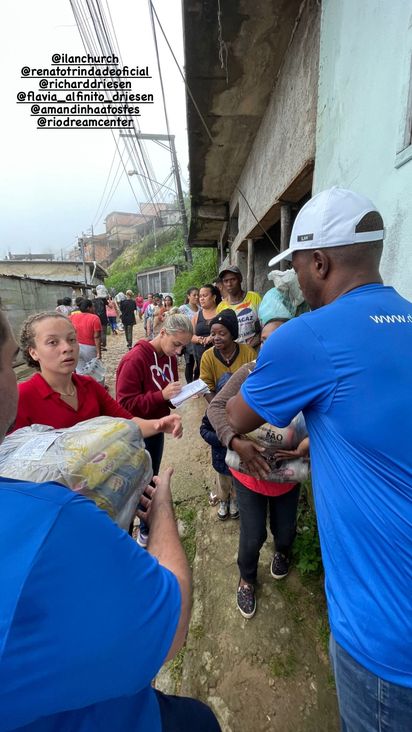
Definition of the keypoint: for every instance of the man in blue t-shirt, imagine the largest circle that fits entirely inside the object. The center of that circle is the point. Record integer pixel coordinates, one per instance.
(347, 365)
(87, 617)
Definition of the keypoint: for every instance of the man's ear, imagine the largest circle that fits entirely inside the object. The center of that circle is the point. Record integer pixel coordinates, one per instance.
(321, 263)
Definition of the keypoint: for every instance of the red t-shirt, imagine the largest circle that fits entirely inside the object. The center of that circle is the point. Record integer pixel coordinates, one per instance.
(265, 487)
(86, 325)
(39, 404)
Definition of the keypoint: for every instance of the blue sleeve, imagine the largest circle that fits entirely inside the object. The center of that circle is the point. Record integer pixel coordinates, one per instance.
(293, 372)
(209, 435)
(97, 612)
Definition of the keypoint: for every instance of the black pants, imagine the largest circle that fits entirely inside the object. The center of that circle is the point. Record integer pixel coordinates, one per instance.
(252, 513)
(154, 446)
(128, 331)
(182, 714)
(192, 368)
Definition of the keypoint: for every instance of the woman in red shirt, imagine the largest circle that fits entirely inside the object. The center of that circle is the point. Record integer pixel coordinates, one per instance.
(58, 397)
(89, 333)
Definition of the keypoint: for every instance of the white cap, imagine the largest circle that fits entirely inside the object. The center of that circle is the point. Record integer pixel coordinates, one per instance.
(330, 219)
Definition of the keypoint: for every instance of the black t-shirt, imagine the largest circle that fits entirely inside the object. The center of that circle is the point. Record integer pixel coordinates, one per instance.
(127, 310)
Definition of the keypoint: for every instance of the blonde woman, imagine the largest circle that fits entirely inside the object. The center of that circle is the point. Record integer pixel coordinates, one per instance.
(147, 379)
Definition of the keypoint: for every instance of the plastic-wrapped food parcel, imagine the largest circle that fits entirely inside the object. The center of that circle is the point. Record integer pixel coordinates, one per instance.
(274, 438)
(281, 302)
(103, 459)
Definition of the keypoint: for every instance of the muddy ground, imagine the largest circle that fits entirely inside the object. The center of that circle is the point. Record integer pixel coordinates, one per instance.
(267, 673)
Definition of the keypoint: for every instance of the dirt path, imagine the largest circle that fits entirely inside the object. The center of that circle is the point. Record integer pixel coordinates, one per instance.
(267, 673)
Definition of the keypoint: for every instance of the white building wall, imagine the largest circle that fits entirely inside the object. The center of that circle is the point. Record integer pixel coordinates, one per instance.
(364, 86)
(285, 141)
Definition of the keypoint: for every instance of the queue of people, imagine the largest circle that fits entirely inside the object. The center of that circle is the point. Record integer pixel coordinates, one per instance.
(343, 367)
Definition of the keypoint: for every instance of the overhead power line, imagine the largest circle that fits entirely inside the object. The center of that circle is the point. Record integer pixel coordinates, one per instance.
(94, 220)
(96, 34)
(113, 188)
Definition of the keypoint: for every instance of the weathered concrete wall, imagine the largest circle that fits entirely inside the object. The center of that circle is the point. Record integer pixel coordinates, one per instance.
(99, 251)
(365, 79)
(286, 138)
(264, 251)
(23, 297)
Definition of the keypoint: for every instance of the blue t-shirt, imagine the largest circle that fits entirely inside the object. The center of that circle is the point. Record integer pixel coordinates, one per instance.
(86, 616)
(348, 367)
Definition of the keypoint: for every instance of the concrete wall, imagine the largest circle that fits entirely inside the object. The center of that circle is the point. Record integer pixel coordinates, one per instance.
(286, 138)
(364, 82)
(23, 297)
(264, 251)
(99, 251)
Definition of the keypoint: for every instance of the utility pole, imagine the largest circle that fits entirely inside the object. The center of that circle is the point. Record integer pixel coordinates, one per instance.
(154, 233)
(182, 207)
(81, 247)
(285, 230)
(171, 140)
(93, 245)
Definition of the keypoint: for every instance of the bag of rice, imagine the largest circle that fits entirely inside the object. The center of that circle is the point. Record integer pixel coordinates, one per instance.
(273, 438)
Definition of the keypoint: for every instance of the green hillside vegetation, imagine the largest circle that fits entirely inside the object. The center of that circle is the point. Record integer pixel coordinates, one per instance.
(170, 250)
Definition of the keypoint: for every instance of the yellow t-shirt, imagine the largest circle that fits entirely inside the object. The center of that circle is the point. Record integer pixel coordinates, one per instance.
(211, 368)
(247, 314)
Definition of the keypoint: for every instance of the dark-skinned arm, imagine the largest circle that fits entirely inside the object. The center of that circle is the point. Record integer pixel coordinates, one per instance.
(241, 417)
(250, 456)
(209, 396)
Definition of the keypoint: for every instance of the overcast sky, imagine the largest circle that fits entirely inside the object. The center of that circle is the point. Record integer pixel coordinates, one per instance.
(52, 180)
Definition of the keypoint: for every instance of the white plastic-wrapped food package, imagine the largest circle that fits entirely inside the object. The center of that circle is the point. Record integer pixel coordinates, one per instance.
(280, 438)
(273, 438)
(284, 300)
(103, 459)
(94, 368)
